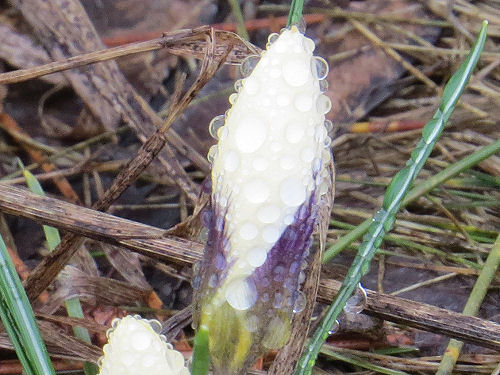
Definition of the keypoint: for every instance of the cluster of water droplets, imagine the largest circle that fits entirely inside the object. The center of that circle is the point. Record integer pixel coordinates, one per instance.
(135, 346)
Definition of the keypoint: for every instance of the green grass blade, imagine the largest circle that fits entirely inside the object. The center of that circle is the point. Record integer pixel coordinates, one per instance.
(384, 219)
(201, 354)
(19, 320)
(73, 305)
(295, 14)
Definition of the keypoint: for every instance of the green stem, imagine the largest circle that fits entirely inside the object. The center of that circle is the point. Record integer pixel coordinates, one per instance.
(472, 306)
(295, 14)
(240, 21)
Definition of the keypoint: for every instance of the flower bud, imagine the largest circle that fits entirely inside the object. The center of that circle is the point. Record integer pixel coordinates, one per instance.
(134, 347)
(269, 170)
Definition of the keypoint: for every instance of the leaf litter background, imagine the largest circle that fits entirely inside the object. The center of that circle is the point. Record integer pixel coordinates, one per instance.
(378, 107)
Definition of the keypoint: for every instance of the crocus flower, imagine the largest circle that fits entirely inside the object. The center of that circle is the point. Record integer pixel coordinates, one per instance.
(134, 347)
(269, 170)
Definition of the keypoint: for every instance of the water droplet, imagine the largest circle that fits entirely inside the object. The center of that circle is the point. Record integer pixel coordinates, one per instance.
(232, 98)
(265, 297)
(116, 321)
(212, 152)
(296, 72)
(250, 134)
(275, 72)
(328, 126)
(273, 37)
(256, 191)
(251, 86)
(212, 280)
(326, 156)
(300, 302)
(302, 277)
(248, 65)
(324, 187)
(277, 333)
(292, 192)
(238, 85)
(283, 100)
(320, 133)
(334, 328)
(231, 161)
(303, 102)
(279, 273)
(278, 301)
(288, 162)
(327, 142)
(220, 262)
(294, 132)
(241, 294)
(309, 45)
(248, 231)
(155, 325)
(319, 67)
(323, 104)
(216, 123)
(288, 219)
(252, 323)
(357, 302)
(307, 154)
(260, 164)
(256, 257)
(271, 233)
(323, 86)
(268, 214)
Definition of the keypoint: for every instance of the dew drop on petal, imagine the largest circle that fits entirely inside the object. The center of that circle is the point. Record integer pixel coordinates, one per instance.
(288, 162)
(252, 323)
(294, 132)
(295, 72)
(231, 161)
(288, 219)
(256, 257)
(277, 333)
(292, 192)
(319, 67)
(326, 156)
(271, 233)
(216, 123)
(275, 72)
(268, 214)
(328, 125)
(251, 86)
(323, 104)
(212, 280)
(278, 301)
(248, 231)
(232, 98)
(283, 100)
(212, 152)
(238, 85)
(299, 303)
(303, 102)
(250, 134)
(248, 65)
(327, 142)
(272, 38)
(323, 85)
(307, 154)
(140, 340)
(241, 294)
(256, 191)
(309, 45)
(260, 164)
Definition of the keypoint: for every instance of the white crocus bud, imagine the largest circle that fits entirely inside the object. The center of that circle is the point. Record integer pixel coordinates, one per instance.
(269, 171)
(134, 347)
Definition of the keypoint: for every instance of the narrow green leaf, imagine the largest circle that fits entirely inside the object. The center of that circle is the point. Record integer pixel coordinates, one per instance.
(396, 192)
(19, 320)
(295, 14)
(201, 354)
(73, 306)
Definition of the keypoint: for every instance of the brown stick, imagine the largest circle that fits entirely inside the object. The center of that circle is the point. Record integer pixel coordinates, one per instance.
(422, 316)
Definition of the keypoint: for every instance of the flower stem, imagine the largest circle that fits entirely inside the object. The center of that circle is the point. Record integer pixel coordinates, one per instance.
(295, 12)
